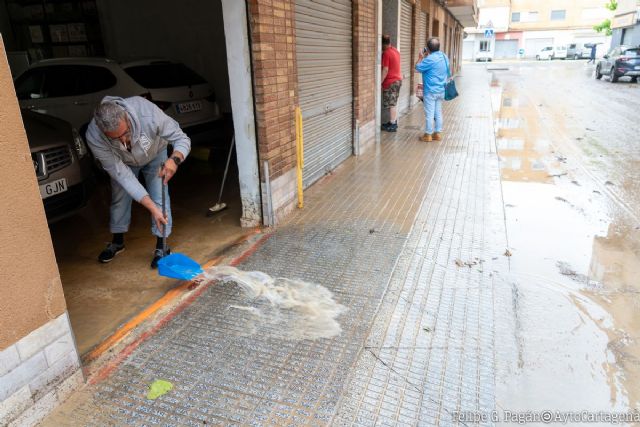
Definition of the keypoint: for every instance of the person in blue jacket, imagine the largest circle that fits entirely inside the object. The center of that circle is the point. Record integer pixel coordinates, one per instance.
(434, 67)
(129, 136)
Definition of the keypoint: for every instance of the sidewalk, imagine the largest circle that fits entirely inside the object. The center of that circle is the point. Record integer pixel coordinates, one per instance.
(383, 233)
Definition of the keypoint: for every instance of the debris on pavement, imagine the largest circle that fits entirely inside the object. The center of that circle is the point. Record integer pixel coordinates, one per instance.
(159, 388)
(507, 253)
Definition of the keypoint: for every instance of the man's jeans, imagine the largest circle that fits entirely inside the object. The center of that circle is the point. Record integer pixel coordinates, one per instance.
(121, 201)
(433, 110)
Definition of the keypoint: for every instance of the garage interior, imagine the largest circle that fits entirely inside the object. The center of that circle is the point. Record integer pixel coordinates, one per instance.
(101, 297)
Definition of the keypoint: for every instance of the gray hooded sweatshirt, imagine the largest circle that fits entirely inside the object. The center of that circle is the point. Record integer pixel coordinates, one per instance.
(151, 132)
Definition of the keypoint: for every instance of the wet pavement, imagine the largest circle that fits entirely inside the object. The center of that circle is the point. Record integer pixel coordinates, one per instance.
(495, 270)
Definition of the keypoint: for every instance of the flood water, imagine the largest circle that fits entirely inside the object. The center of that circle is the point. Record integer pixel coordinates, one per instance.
(280, 307)
(574, 237)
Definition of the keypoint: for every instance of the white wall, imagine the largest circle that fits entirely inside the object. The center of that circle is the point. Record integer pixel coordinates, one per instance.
(497, 16)
(164, 28)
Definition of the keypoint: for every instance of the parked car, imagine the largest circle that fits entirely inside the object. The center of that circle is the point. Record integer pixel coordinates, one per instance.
(62, 164)
(621, 61)
(71, 88)
(552, 52)
(578, 51)
(484, 56)
(545, 53)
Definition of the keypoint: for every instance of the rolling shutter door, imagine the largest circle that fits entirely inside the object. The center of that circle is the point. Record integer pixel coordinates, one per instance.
(506, 49)
(325, 89)
(423, 30)
(422, 37)
(405, 55)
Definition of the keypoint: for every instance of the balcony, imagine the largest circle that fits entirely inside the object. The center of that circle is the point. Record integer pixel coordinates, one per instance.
(465, 11)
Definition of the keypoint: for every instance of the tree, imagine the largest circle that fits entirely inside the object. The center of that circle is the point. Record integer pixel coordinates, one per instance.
(605, 26)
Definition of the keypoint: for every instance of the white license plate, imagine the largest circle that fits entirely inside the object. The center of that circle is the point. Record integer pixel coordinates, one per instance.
(637, 67)
(188, 107)
(52, 188)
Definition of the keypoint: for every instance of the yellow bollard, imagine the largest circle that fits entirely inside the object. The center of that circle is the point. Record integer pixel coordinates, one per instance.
(300, 155)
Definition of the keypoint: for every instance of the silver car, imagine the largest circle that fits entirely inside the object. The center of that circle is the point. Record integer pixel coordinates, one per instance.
(61, 163)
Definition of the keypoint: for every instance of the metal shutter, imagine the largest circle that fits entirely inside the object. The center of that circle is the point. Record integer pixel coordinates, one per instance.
(506, 49)
(325, 88)
(422, 37)
(423, 27)
(405, 55)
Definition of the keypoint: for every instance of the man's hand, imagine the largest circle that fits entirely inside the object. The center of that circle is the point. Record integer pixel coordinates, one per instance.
(168, 169)
(160, 220)
(156, 213)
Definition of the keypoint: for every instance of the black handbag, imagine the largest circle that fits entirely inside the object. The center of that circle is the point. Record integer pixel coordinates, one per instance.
(450, 91)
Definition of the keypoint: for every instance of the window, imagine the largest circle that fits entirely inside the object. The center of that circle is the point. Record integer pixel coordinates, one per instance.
(29, 84)
(94, 79)
(164, 74)
(634, 53)
(558, 15)
(484, 46)
(532, 17)
(515, 16)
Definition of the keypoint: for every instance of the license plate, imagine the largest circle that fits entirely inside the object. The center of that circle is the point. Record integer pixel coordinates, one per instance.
(637, 67)
(52, 188)
(188, 107)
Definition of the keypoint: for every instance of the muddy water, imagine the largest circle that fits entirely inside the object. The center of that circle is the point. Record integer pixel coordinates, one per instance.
(283, 308)
(575, 267)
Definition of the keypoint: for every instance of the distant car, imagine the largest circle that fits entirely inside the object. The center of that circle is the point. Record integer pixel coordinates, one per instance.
(546, 53)
(484, 56)
(559, 52)
(575, 50)
(71, 88)
(551, 52)
(61, 162)
(622, 61)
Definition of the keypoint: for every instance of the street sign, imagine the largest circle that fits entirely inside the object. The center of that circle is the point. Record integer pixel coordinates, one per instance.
(488, 33)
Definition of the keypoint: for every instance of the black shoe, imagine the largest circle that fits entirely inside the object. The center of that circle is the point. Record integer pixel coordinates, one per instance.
(157, 254)
(390, 127)
(110, 252)
(385, 125)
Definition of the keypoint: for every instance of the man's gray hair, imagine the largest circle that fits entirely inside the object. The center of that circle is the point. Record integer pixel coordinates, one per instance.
(108, 116)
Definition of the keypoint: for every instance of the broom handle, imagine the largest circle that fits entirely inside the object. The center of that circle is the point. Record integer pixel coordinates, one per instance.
(164, 215)
(226, 169)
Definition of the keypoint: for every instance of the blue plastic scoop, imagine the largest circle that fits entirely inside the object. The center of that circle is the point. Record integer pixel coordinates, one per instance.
(179, 266)
(176, 266)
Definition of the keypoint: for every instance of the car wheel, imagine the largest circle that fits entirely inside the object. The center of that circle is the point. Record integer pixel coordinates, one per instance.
(598, 73)
(612, 76)
(576, 57)
(537, 57)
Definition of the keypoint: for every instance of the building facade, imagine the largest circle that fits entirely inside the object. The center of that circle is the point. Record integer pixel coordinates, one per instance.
(322, 56)
(521, 28)
(626, 24)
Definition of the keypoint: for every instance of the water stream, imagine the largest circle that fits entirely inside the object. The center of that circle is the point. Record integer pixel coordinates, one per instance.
(281, 307)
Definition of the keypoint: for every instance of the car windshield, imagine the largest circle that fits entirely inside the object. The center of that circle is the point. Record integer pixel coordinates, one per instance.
(634, 53)
(159, 75)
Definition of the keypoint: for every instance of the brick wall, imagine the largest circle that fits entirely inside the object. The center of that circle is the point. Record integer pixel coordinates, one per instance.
(364, 43)
(275, 82)
(365, 50)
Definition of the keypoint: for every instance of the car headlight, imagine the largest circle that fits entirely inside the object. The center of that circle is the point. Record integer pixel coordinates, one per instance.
(78, 143)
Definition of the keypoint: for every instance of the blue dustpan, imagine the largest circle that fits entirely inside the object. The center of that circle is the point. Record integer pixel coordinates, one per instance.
(179, 266)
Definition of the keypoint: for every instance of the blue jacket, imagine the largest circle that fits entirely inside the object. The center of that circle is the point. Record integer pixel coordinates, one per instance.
(435, 71)
(151, 131)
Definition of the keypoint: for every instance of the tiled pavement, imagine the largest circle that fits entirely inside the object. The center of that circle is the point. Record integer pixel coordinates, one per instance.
(383, 233)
